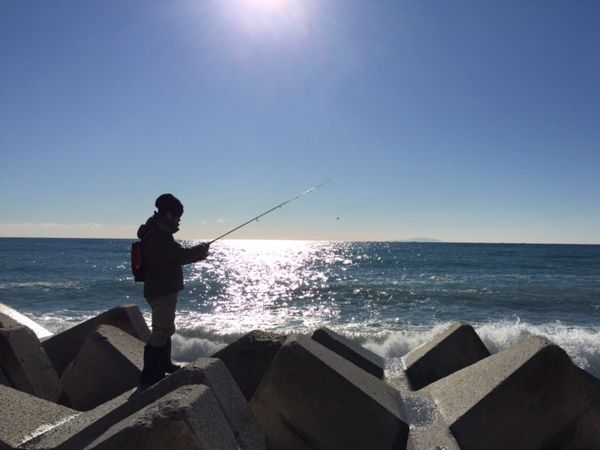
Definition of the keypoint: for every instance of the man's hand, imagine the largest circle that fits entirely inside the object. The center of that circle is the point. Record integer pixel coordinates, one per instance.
(203, 250)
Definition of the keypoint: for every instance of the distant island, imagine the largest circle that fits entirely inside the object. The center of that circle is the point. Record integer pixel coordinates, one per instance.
(420, 239)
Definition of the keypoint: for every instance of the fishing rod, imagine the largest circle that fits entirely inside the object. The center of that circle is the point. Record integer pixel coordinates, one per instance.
(271, 210)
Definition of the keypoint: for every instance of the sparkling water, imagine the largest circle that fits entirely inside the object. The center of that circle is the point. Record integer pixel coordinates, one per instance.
(389, 296)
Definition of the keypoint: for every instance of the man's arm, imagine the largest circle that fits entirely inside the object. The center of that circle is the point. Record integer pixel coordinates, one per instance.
(174, 252)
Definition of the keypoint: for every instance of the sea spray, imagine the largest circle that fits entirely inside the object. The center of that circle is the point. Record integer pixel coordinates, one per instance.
(582, 343)
(190, 349)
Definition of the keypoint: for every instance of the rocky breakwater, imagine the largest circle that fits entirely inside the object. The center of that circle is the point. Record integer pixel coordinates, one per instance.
(77, 390)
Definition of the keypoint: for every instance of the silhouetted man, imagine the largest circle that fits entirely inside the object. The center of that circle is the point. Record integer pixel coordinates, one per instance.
(163, 279)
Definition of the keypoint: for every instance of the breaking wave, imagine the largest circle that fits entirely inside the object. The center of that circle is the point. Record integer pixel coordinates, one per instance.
(582, 344)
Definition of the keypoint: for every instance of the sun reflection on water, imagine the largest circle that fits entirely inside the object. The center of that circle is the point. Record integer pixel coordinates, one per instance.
(271, 285)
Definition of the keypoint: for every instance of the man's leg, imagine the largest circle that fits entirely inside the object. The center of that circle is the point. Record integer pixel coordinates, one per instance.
(165, 363)
(163, 327)
(163, 319)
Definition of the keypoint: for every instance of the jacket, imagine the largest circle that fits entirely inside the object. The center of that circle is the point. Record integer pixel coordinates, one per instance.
(163, 258)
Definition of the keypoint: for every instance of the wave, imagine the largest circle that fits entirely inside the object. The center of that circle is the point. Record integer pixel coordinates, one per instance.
(191, 348)
(582, 344)
(40, 285)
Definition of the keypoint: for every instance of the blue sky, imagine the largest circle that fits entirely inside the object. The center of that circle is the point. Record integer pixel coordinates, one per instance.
(462, 121)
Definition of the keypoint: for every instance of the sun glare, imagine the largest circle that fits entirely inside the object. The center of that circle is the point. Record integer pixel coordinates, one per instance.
(266, 6)
(272, 18)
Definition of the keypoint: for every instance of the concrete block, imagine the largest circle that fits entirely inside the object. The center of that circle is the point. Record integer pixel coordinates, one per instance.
(313, 398)
(428, 431)
(455, 348)
(10, 317)
(7, 321)
(26, 365)
(187, 418)
(353, 352)
(94, 421)
(248, 358)
(63, 347)
(585, 433)
(213, 373)
(530, 396)
(3, 380)
(24, 415)
(207, 371)
(108, 364)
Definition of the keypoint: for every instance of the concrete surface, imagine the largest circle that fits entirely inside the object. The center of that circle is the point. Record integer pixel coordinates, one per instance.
(108, 364)
(187, 418)
(6, 312)
(62, 347)
(353, 352)
(529, 396)
(249, 357)
(207, 371)
(3, 380)
(312, 398)
(24, 416)
(26, 365)
(455, 348)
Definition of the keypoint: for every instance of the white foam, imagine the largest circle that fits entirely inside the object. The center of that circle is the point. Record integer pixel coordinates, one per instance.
(398, 343)
(582, 344)
(45, 285)
(187, 349)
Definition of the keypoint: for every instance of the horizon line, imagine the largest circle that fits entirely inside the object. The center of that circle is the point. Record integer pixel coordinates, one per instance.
(405, 241)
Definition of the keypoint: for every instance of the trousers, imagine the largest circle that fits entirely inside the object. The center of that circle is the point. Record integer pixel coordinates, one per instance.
(163, 319)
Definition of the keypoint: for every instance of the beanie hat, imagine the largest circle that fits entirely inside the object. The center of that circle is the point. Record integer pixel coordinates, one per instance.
(168, 202)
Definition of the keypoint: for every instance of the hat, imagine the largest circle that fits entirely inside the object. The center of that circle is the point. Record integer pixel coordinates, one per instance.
(168, 202)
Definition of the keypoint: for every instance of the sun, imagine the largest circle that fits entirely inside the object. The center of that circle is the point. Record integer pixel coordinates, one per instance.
(266, 6)
(273, 18)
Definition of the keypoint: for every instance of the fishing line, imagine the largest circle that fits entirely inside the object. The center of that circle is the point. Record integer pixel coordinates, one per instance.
(271, 210)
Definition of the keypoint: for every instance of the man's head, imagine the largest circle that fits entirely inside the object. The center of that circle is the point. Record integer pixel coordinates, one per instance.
(170, 208)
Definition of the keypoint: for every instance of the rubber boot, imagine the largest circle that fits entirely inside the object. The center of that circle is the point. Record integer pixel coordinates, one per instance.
(152, 371)
(166, 365)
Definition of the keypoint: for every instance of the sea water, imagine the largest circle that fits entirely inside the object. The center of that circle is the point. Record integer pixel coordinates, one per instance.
(388, 296)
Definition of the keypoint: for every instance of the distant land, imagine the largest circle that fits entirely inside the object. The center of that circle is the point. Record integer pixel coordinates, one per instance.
(420, 239)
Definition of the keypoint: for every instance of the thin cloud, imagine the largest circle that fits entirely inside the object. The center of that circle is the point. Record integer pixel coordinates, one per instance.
(50, 229)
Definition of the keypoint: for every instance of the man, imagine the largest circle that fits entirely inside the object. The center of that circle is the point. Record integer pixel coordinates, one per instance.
(163, 279)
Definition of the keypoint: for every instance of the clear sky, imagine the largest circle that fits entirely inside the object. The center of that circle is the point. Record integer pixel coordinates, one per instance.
(471, 121)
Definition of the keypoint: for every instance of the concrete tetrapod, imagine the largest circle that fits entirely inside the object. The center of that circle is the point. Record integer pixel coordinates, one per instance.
(26, 365)
(63, 347)
(108, 364)
(457, 347)
(8, 322)
(249, 357)
(3, 380)
(87, 426)
(25, 416)
(353, 352)
(529, 396)
(10, 317)
(186, 418)
(312, 398)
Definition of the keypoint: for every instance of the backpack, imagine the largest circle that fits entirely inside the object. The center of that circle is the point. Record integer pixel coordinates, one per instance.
(137, 259)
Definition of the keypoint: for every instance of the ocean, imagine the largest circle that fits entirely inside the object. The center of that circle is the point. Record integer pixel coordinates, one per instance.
(388, 296)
